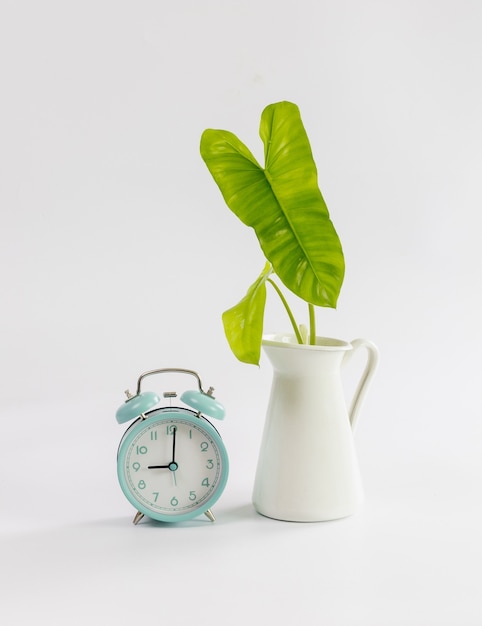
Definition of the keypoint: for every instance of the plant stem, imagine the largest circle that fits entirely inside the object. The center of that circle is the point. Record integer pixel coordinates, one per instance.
(311, 310)
(288, 310)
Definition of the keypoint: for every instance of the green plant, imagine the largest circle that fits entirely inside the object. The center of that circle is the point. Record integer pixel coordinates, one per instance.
(284, 205)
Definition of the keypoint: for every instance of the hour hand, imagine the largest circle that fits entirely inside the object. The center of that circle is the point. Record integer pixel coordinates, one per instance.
(172, 466)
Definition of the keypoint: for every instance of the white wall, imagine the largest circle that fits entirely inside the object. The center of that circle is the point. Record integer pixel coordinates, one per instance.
(119, 255)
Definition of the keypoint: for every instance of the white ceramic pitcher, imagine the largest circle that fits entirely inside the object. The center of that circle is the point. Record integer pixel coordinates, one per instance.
(307, 469)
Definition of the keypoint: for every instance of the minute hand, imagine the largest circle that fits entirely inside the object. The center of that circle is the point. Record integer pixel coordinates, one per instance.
(173, 445)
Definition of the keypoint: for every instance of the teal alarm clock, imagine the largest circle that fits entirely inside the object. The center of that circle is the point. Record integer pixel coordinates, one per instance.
(172, 464)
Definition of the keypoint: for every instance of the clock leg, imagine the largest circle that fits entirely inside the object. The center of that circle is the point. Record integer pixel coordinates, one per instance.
(209, 515)
(138, 517)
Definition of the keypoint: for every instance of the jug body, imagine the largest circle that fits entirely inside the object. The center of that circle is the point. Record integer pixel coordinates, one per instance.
(307, 467)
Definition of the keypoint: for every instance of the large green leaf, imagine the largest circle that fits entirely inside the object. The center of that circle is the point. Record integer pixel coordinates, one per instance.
(243, 323)
(281, 202)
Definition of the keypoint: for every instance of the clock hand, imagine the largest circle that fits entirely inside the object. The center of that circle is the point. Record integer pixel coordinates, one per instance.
(173, 444)
(172, 466)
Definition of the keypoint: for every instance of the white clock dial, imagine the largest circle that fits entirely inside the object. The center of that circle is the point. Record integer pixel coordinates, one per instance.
(172, 465)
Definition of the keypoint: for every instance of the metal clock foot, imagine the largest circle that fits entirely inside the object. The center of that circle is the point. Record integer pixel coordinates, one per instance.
(209, 515)
(138, 517)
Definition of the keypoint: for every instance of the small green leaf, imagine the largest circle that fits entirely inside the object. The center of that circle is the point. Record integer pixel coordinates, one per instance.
(243, 323)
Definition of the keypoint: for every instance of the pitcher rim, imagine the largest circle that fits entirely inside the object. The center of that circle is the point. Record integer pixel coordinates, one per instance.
(286, 340)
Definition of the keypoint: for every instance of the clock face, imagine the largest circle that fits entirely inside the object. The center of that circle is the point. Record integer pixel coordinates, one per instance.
(172, 465)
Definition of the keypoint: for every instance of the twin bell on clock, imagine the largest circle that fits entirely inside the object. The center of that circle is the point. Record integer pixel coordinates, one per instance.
(172, 464)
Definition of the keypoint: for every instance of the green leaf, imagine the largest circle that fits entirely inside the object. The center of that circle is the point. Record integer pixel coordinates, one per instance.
(282, 202)
(243, 323)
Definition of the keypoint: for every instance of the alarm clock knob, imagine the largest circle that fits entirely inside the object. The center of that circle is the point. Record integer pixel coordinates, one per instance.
(136, 405)
(204, 403)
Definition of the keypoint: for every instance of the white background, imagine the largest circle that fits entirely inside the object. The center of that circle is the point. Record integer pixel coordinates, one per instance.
(118, 255)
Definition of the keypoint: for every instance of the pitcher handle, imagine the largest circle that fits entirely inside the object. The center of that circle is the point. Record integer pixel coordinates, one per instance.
(368, 372)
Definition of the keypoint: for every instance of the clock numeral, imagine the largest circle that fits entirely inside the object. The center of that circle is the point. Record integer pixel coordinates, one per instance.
(141, 484)
(210, 464)
(141, 450)
(174, 501)
(192, 495)
(204, 446)
(205, 483)
(156, 495)
(170, 429)
(153, 435)
(136, 466)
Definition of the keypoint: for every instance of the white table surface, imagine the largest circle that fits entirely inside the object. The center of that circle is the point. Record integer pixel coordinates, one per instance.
(70, 554)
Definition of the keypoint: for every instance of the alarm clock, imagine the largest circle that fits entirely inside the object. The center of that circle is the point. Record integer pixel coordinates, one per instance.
(172, 464)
